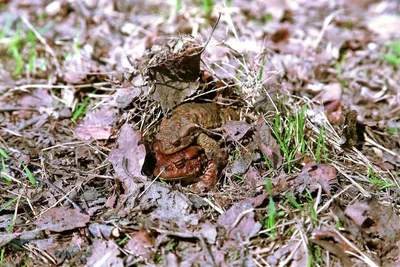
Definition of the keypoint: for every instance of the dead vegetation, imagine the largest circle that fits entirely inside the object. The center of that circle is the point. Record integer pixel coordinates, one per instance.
(312, 169)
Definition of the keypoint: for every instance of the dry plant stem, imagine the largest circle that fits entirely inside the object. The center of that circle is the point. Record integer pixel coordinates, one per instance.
(26, 198)
(34, 252)
(59, 201)
(261, 259)
(4, 143)
(63, 145)
(8, 109)
(372, 142)
(290, 257)
(240, 216)
(12, 178)
(73, 203)
(318, 197)
(45, 254)
(152, 182)
(218, 209)
(43, 41)
(16, 208)
(328, 203)
(50, 86)
(12, 132)
(362, 190)
(361, 256)
(327, 21)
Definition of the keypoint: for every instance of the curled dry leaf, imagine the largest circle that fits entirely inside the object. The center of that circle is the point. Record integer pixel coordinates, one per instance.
(62, 219)
(174, 70)
(330, 92)
(101, 230)
(97, 124)
(130, 151)
(311, 178)
(349, 131)
(268, 144)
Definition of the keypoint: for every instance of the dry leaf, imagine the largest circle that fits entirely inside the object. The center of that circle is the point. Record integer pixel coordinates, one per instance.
(97, 124)
(62, 219)
(236, 129)
(238, 221)
(129, 149)
(142, 244)
(268, 144)
(104, 254)
(174, 70)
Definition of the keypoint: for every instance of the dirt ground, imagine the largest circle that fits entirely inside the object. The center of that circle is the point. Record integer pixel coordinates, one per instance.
(293, 161)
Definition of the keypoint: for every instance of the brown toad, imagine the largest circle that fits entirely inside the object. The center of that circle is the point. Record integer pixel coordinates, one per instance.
(184, 129)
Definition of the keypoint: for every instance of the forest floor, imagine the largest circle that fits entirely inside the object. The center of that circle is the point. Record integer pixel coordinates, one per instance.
(312, 171)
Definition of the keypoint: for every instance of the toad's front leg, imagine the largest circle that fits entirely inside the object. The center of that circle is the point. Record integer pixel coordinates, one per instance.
(208, 180)
(216, 157)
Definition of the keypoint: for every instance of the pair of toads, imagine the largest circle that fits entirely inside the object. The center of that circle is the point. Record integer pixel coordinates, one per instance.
(183, 149)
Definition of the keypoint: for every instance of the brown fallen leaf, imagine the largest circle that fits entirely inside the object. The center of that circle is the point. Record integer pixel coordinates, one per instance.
(239, 220)
(62, 219)
(253, 177)
(243, 161)
(129, 151)
(236, 129)
(378, 226)
(281, 35)
(167, 205)
(101, 230)
(386, 25)
(334, 243)
(324, 174)
(268, 144)
(97, 124)
(105, 253)
(299, 258)
(373, 217)
(329, 92)
(173, 68)
(142, 244)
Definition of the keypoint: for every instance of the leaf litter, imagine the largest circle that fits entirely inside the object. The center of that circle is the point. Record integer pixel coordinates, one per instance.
(334, 200)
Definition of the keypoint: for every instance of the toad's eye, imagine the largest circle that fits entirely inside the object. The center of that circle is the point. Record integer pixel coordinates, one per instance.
(176, 142)
(179, 164)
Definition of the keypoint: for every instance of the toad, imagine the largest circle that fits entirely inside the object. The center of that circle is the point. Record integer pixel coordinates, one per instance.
(187, 123)
(185, 129)
(187, 165)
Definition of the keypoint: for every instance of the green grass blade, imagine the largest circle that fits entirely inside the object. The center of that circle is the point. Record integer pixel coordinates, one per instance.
(30, 177)
(4, 153)
(8, 203)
